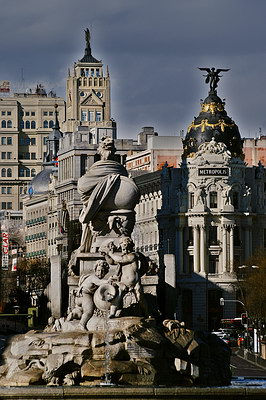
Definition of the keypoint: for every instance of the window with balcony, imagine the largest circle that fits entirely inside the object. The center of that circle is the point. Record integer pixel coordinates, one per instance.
(213, 264)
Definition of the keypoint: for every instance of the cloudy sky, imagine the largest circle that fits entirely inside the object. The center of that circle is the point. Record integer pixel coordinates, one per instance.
(153, 49)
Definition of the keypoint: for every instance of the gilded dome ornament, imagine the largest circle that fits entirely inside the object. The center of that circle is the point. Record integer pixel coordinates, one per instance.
(213, 121)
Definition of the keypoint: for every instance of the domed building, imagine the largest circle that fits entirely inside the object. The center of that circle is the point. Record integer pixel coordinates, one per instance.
(211, 220)
(40, 211)
(213, 122)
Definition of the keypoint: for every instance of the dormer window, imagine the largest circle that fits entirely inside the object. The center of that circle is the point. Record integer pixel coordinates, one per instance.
(213, 200)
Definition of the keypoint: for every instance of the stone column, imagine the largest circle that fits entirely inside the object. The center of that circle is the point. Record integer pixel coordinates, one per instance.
(231, 248)
(181, 250)
(196, 248)
(203, 267)
(56, 286)
(224, 249)
(170, 285)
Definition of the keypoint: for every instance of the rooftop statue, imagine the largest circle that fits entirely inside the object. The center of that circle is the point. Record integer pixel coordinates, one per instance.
(213, 76)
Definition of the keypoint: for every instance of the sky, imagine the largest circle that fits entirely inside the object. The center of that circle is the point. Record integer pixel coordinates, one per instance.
(152, 48)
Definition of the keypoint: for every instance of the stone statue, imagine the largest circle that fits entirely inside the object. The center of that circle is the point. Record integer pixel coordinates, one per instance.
(213, 77)
(86, 289)
(131, 266)
(87, 36)
(106, 191)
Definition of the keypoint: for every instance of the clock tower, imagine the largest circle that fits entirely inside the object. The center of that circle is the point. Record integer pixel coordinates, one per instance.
(88, 102)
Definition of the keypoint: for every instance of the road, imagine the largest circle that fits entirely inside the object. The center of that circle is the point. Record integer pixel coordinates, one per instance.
(246, 368)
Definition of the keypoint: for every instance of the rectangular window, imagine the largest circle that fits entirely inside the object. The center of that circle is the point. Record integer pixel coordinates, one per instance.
(27, 113)
(213, 236)
(3, 113)
(97, 72)
(91, 115)
(3, 155)
(3, 140)
(51, 113)
(3, 190)
(190, 236)
(9, 205)
(191, 200)
(98, 116)
(3, 205)
(21, 205)
(9, 140)
(213, 264)
(33, 156)
(92, 71)
(33, 113)
(83, 115)
(9, 190)
(8, 112)
(33, 141)
(21, 190)
(9, 155)
(235, 200)
(45, 113)
(213, 200)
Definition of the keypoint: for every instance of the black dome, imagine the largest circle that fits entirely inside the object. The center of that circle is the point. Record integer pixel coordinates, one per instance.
(213, 122)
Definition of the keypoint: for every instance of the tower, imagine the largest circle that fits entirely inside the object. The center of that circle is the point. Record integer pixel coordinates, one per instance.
(88, 97)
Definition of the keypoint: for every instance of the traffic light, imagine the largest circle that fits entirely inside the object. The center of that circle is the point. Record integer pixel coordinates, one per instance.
(244, 319)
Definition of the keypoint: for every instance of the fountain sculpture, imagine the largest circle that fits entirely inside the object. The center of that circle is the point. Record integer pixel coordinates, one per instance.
(111, 334)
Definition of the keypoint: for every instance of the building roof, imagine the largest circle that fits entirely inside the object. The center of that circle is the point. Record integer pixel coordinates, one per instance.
(213, 122)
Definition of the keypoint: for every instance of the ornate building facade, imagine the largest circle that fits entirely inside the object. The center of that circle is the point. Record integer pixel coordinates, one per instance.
(211, 220)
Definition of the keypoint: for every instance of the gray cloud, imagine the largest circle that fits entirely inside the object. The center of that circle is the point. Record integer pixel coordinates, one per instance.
(153, 49)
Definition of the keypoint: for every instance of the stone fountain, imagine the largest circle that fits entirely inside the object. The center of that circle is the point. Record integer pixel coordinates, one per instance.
(112, 333)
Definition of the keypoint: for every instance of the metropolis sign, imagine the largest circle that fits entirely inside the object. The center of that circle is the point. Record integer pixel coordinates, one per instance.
(213, 171)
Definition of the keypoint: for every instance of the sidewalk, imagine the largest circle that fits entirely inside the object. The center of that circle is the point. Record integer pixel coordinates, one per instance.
(251, 357)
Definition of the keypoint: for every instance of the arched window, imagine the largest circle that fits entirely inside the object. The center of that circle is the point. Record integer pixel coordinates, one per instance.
(51, 124)
(9, 124)
(21, 172)
(45, 124)
(27, 172)
(3, 172)
(9, 172)
(3, 124)
(33, 172)
(21, 124)
(27, 124)
(33, 125)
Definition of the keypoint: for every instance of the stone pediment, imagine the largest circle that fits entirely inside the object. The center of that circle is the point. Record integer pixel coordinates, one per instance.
(92, 100)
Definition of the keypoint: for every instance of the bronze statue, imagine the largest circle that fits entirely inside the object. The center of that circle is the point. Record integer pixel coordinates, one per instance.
(87, 36)
(213, 76)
